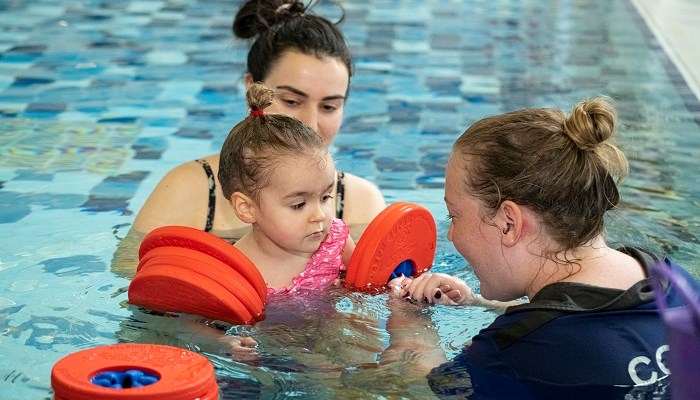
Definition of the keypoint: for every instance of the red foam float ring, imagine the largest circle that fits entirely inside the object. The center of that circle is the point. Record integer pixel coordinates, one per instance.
(402, 231)
(183, 375)
(175, 289)
(376, 225)
(191, 238)
(211, 267)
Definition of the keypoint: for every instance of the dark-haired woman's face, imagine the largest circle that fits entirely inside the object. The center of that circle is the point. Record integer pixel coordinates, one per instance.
(311, 90)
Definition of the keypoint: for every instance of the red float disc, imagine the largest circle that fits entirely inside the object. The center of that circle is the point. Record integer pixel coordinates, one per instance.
(212, 268)
(183, 375)
(191, 238)
(172, 288)
(402, 231)
(375, 225)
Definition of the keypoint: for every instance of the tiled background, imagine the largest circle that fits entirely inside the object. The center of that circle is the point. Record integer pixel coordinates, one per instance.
(98, 99)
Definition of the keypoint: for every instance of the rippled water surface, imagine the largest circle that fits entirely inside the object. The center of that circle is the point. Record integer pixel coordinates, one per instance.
(99, 99)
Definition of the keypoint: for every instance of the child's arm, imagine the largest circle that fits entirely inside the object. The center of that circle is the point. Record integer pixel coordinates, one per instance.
(413, 340)
(210, 338)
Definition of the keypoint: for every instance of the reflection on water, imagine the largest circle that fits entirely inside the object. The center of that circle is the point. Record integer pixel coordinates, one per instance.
(304, 344)
(59, 146)
(89, 124)
(323, 345)
(326, 345)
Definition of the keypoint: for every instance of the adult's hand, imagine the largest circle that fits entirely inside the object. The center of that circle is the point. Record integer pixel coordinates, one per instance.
(434, 288)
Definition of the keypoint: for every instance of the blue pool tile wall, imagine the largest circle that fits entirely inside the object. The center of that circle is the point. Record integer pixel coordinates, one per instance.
(99, 99)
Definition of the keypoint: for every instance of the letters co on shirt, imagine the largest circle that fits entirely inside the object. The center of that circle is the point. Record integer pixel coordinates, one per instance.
(646, 370)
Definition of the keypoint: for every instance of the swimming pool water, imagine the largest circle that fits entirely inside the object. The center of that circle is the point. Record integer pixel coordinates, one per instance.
(99, 99)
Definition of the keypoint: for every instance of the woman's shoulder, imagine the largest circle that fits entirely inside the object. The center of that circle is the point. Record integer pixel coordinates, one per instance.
(359, 182)
(190, 175)
(175, 199)
(361, 186)
(363, 200)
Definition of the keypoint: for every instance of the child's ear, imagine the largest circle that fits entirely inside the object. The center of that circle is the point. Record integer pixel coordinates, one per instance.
(244, 207)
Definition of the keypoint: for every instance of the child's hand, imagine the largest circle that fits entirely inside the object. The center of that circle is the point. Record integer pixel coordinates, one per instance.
(397, 285)
(240, 348)
(434, 288)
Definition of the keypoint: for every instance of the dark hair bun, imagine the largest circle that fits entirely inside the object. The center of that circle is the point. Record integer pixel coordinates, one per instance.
(256, 16)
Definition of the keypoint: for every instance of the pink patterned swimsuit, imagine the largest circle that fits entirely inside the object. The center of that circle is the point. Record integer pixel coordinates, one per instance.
(325, 264)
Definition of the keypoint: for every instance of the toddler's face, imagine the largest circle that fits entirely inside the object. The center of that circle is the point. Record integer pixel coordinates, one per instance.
(296, 207)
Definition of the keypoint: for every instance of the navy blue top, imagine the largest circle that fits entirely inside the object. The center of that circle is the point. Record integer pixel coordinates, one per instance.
(568, 336)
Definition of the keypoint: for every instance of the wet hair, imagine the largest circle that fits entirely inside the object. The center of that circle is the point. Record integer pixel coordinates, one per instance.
(565, 168)
(254, 147)
(280, 26)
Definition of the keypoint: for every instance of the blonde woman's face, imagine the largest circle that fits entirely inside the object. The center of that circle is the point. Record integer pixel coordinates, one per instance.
(474, 238)
(311, 90)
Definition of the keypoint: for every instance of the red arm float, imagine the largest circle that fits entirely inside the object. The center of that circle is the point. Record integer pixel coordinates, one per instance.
(403, 231)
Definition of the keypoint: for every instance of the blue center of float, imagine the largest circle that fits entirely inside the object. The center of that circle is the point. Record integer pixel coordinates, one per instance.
(404, 268)
(132, 378)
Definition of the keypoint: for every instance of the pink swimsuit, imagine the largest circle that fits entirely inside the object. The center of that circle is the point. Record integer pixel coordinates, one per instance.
(325, 263)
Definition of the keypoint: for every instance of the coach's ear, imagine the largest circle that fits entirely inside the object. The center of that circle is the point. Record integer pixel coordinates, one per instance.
(244, 207)
(509, 220)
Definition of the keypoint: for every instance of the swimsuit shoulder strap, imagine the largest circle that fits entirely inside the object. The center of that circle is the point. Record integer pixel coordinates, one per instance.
(340, 194)
(212, 194)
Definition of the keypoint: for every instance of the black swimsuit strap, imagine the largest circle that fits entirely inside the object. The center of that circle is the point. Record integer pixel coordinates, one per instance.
(340, 194)
(212, 194)
(339, 204)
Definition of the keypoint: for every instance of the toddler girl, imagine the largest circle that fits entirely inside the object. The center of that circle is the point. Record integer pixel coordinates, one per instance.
(278, 176)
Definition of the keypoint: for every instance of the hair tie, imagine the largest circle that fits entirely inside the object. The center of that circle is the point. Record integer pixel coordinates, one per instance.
(283, 7)
(293, 9)
(257, 113)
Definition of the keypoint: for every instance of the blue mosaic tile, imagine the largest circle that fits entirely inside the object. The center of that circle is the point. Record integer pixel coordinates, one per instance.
(29, 81)
(114, 193)
(194, 133)
(45, 108)
(118, 120)
(12, 207)
(98, 99)
(60, 330)
(73, 265)
(31, 175)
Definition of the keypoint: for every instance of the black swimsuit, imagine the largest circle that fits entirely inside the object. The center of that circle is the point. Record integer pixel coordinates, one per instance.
(339, 204)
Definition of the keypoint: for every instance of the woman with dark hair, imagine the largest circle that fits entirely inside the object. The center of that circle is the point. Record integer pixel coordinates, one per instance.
(305, 59)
